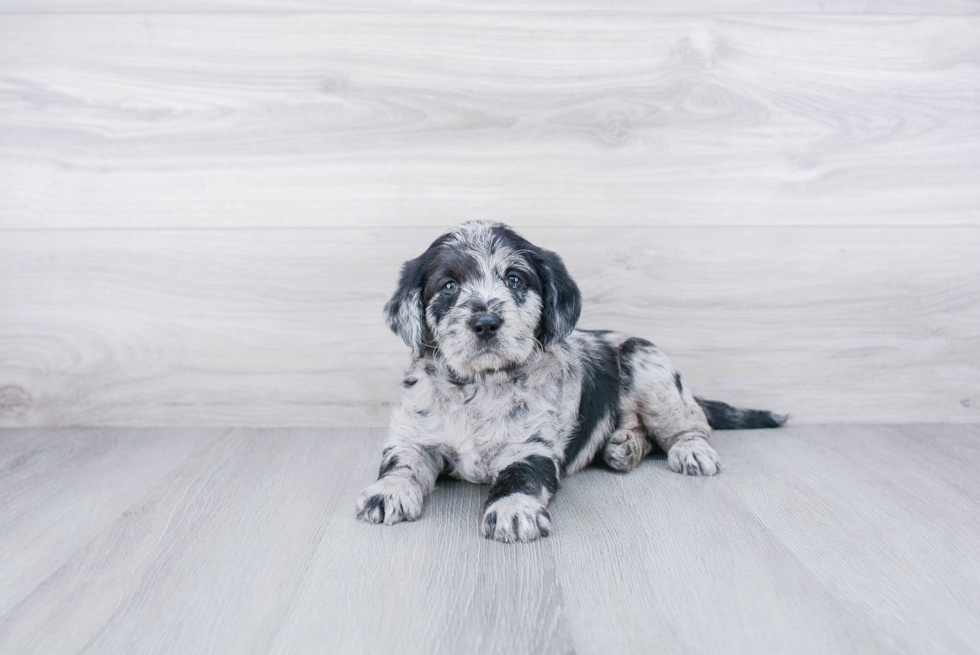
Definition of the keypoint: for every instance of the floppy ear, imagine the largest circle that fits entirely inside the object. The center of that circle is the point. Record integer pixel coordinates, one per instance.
(404, 313)
(562, 301)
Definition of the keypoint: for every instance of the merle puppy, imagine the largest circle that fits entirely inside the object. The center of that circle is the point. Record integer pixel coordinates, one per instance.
(503, 390)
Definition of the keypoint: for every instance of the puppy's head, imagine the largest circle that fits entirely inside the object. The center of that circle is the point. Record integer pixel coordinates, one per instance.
(483, 298)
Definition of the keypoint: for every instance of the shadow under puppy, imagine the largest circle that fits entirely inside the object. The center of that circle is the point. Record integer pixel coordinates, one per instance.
(504, 390)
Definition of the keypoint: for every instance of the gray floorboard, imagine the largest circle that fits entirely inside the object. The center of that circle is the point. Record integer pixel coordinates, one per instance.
(822, 539)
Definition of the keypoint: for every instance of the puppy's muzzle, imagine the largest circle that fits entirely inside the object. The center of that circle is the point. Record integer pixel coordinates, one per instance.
(486, 325)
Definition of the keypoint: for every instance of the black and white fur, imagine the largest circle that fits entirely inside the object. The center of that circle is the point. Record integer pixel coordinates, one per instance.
(503, 390)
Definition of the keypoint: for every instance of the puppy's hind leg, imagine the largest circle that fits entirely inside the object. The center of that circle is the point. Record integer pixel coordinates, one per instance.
(691, 454)
(670, 414)
(627, 446)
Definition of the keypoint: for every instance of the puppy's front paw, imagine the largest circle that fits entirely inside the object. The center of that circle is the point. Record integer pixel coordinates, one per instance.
(517, 517)
(693, 457)
(390, 500)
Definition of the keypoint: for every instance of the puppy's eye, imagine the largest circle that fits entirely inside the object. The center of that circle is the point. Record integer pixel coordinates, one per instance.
(449, 288)
(513, 281)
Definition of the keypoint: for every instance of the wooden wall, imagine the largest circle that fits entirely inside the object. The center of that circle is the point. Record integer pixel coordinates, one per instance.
(204, 203)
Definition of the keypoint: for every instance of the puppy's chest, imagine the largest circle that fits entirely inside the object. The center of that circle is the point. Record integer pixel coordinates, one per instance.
(479, 425)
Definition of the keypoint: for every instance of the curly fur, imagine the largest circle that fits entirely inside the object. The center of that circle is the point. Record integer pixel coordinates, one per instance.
(503, 390)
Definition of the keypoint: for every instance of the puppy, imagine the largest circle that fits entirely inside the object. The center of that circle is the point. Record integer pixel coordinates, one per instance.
(504, 390)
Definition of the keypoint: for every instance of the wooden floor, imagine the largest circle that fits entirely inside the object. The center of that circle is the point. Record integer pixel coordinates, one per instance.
(822, 539)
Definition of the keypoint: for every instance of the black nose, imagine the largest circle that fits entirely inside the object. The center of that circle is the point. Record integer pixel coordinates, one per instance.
(485, 325)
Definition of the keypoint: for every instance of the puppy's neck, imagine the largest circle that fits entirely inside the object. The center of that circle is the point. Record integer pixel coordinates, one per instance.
(435, 365)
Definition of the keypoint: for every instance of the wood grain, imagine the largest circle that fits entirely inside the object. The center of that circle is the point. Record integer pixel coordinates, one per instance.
(61, 489)
(606, 6)
(814, 539)
(380, 119)
(284, 327)
(251, 545)
(846, 503)
(445, 589)
(655, 554)
(191, 554)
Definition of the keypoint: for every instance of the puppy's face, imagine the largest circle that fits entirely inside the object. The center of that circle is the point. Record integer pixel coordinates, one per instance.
(482, 302)
(483, 298)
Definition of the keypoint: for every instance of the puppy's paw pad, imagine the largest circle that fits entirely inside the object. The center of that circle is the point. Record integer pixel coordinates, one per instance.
(390, 500)
(693, 457)
(625, 450)
(517, 517)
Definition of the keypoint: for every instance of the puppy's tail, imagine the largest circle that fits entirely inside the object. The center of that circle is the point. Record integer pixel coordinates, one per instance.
(722, 416)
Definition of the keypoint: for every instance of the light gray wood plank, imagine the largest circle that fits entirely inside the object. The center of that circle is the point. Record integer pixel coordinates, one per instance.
(813, 539)
(59, 490)
(654, 558)
(378, 119)
(207, 560)
(823, 539)
(605, 6)
(433, 586)
(285, 327)
(252, 546)
(880, 516)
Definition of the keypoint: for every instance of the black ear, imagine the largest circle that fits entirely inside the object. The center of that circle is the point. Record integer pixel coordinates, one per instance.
(561, 302)
(405, 313)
